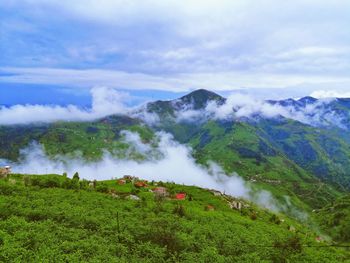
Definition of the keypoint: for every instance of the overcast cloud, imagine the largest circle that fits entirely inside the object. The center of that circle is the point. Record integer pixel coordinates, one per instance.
(176, 45)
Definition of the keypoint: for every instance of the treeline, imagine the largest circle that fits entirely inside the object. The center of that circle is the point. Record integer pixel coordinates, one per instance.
(55, 181)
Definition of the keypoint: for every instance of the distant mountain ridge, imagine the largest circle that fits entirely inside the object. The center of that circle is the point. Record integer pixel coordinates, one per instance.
(318, 142)
(332, 113)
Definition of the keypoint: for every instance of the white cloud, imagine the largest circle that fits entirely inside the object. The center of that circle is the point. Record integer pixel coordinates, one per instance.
(176, 165)
(136, 143)
(89, 78)
(330, 94)
(105, 102)
(217, 81)
(217, 44)
(238, 106)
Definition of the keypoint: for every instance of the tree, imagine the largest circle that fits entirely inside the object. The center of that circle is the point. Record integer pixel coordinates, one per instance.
(76, 176)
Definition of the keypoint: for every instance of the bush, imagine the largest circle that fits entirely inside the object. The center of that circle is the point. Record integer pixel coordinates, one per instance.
(84, 184)
(287, 248)
(275, 219)
(179, 210)
(76, 176)
(27, 181)
(102, 187)
(52, 181)
(253, 216)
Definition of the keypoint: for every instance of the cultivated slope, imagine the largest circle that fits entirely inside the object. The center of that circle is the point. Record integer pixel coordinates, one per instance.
(53, 218)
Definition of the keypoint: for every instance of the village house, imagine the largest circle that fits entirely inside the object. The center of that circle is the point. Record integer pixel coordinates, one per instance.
(5, 171)
(180, 196)
(216, 193)
(130, 178)
(93, 184)
(235, 205)
(140, 184)
(114, 195)
(271, 181)
(121, 181)
(160, 191)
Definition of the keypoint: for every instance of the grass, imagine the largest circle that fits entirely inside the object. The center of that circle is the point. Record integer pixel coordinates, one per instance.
(53, 218)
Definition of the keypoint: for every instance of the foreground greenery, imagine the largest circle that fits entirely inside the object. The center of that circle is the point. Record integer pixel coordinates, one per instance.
(336, 218)
(52, 218)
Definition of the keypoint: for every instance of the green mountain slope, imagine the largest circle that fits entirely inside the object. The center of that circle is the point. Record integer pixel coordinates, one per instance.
(320, 151)
(335, 217)
(247, 150)
(53, 218)
(88, 138)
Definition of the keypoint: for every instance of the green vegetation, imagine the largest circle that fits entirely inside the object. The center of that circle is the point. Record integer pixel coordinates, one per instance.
(90, 139)
(335, 218)
(53, 218)
(306, 169)
(245, 149)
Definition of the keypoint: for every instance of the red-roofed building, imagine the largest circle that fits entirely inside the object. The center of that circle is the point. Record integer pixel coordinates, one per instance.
(180, 196)
(140, 184)
(121, 181)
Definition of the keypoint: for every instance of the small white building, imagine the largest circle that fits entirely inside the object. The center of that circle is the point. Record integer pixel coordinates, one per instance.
(235, 205)
(5, 171)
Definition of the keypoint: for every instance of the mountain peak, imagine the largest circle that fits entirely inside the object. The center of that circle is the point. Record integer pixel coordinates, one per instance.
(199, 98)
(308, 100)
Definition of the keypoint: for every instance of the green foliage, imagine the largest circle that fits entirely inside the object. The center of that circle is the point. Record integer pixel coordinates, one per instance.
(308, 165)
(41, 223)
(76, 176)
(335, 218)
(287, 249)
(102, 187)
(179, 210)
(88, 139)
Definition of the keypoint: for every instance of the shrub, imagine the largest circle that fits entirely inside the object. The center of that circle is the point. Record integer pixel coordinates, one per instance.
(179, 210)
(253, 216)
(287, 248)
(102, 187)
(27, 181)
(275, 219)
(51, 181)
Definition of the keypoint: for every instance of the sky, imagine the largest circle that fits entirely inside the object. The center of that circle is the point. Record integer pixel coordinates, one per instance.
(55, 51)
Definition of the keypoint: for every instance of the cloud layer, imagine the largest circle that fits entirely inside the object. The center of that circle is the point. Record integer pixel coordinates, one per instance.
(172, 162)
(108, 101)
(322, 94)
(176, 45)
(105, 101)
(237, 106)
